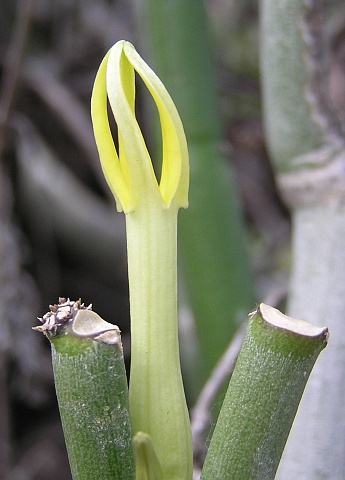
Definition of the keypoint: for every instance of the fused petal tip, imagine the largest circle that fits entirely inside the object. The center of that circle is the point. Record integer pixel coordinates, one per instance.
(129, 170)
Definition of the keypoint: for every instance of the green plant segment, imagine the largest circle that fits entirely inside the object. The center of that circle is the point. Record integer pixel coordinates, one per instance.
(91, 387)
(306, 143)
(289, 128)
(157, 401)
(271, 372)
(212, 241)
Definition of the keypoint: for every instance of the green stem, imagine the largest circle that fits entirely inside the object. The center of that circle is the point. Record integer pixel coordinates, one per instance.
(91, 387)
(157, 401)
(290, 129)
(271, 372)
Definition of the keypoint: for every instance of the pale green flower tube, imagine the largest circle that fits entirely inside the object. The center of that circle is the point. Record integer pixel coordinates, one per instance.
(157, 401)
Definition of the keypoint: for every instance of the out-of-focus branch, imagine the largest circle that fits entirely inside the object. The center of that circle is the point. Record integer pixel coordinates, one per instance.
(221, 373)
(11, 69)
(69, 110)
(12, 64)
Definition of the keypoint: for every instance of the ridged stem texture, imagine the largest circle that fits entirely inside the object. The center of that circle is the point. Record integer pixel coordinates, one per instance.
(158, 405)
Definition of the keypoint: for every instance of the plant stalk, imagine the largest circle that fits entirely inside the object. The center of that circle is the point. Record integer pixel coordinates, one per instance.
(289, 129)
(157, 402)
(91, 387)
(316, 445)
(306, 143)
(266, 386)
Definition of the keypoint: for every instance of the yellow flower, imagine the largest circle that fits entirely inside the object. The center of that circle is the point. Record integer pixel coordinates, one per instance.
(130, 173)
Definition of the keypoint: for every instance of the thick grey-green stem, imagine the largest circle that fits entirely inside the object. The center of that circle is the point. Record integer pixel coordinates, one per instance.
(307, 149)
(289, 129)
(316, 446)
(91, 387)
(271, 372)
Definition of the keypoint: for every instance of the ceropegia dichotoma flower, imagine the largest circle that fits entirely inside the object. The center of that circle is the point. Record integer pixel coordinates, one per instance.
(157, 401)
(129, 172)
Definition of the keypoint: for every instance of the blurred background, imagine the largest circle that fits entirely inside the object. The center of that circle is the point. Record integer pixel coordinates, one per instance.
(59, 232)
